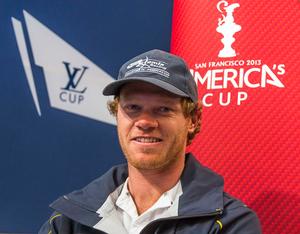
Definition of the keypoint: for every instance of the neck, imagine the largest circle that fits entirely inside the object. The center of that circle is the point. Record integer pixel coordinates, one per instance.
(146, 186)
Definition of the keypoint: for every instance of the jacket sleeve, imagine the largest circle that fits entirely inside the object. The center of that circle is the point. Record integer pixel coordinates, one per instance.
(239, 220)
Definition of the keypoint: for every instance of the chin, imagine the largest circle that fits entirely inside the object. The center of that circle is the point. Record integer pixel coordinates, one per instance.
(147, 165)
(150, 161)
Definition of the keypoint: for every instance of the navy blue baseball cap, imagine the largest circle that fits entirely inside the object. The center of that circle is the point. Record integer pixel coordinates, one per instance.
(159, 68)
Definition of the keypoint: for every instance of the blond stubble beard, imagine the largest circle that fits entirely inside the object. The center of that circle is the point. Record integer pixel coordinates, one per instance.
(154, 164)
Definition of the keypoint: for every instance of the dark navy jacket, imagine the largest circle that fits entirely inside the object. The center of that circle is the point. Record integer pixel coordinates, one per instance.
(203, 207)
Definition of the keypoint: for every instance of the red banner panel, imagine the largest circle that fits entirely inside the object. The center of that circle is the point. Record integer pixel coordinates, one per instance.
(244, 56)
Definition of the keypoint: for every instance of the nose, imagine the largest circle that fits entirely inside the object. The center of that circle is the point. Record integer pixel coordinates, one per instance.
(146, 122)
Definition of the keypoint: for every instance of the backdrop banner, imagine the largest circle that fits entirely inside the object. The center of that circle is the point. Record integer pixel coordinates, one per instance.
(56, 134)
(244, 56)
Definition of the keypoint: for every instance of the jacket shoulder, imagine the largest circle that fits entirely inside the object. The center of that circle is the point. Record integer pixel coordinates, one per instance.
(55, 224)
(238, 217)
(59, 223)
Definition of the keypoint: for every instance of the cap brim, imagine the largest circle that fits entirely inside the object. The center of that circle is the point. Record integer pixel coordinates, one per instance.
(114, 87)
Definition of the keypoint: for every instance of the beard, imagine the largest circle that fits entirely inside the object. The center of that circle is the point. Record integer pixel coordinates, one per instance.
(156, 163)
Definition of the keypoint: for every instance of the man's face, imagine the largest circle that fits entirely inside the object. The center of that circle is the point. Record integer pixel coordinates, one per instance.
(151, 126)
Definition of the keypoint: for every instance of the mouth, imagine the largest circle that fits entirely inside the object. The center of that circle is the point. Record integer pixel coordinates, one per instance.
(147, 139)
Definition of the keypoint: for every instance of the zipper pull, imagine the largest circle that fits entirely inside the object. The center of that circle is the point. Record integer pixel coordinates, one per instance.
(219, 211)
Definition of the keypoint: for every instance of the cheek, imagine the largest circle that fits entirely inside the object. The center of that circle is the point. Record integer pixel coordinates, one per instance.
(183, 129)
(123, 125)
(177, 129)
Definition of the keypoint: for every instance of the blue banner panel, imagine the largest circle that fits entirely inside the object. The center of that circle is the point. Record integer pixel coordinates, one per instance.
(55, 131)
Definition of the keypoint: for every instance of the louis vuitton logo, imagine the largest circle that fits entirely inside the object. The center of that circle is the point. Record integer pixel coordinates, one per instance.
(75, 77)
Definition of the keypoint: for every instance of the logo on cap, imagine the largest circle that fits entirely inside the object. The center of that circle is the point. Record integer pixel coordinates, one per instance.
(148, 65)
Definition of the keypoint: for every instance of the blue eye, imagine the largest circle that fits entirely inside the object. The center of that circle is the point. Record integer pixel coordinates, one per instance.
(164, 109)
(132, 107)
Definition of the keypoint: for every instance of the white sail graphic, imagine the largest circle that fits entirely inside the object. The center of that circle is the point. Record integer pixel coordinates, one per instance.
(74, 83)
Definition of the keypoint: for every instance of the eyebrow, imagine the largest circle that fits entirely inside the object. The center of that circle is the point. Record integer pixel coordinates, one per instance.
(168, 100)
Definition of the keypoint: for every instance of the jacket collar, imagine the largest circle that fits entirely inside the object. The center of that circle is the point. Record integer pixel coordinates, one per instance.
(82, 205)
(202, 193)
(202, 189)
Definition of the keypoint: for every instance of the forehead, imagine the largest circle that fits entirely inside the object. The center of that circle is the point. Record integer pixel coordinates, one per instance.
(139, 88)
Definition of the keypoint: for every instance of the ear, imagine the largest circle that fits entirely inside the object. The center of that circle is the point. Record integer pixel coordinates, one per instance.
(192, 124)
(194, 120)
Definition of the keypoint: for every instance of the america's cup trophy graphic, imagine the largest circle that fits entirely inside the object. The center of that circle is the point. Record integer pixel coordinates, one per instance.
(227, 27)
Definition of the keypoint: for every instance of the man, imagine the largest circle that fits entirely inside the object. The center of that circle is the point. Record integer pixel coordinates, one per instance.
(161, 189)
